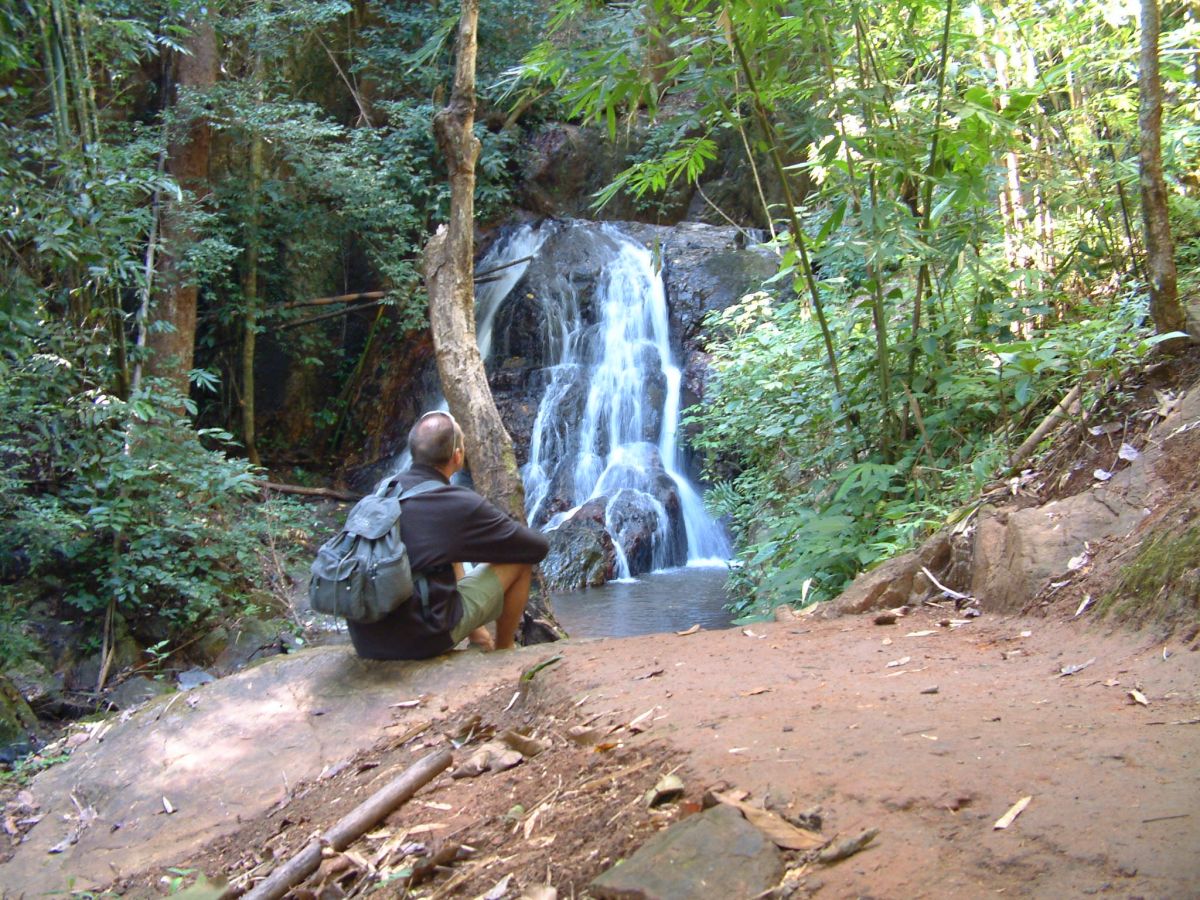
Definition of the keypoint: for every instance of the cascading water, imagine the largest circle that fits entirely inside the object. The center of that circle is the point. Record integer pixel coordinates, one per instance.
(607, 424)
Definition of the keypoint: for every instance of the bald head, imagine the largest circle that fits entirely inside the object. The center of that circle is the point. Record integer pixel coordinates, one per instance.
(433, 440)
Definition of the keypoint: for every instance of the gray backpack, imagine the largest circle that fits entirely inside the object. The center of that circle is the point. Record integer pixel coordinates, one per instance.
(362, 572)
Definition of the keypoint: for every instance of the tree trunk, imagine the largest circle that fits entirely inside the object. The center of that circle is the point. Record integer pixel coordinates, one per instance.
(172, 350)
(250, 302)
(1165, 307)
(449, 263)
(250, 298)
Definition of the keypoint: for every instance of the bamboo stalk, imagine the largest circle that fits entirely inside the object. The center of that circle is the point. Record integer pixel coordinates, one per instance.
(352, 826)
(797, 232)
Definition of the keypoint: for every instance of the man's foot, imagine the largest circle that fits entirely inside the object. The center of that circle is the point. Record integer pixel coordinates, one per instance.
(481, 638)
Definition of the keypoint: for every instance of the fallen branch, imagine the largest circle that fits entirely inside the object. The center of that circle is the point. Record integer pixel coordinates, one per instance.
(1057, 416)
(340, 298)
(352, 826)
(331, 493)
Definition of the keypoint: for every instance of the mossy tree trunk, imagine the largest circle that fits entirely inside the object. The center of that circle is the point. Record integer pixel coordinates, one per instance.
(1165, 307)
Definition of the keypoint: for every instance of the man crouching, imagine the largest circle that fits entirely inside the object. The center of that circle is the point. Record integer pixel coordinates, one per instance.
(443, 527)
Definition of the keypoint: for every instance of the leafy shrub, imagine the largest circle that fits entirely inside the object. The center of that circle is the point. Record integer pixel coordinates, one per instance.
(120, 501)
(819, 491)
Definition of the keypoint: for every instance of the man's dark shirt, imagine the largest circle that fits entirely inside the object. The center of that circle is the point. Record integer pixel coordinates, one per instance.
(447, 525)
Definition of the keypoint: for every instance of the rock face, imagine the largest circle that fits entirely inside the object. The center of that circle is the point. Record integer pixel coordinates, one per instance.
(714, 855)
(545, 336)
(218, 759)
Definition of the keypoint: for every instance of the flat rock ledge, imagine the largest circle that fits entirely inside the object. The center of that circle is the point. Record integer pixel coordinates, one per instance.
(713, 854)
(159, 783)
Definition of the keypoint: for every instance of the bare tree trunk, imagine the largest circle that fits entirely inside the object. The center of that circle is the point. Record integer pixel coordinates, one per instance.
(1165, 308)
(448, 274)
(187, 160)
(449, 263)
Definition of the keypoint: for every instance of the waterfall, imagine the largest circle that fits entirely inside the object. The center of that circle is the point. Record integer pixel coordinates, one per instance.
(607, 422)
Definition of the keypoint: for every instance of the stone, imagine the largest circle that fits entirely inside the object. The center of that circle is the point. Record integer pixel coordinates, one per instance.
(581, 551)
(137, 690)
(41, 688)
(714, 854)
(251, 641)
(1016, 552)
(897, 582)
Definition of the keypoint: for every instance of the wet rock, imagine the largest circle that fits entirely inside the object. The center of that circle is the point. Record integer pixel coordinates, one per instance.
(581, 551)
(708, 268)
(714, 854)
(231, 649)
(634, 523)
(565, 165)
(84, 674)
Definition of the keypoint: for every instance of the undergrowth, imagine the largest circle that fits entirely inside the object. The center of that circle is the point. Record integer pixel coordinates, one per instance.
(820, 486)
(1162, 583)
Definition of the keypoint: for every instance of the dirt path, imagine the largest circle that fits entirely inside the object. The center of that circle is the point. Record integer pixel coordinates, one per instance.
(839, 715)
(1115, 785)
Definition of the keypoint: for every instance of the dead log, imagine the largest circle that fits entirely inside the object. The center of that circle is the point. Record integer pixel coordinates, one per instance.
(1058, 415)
(352, 826)
(330, 493)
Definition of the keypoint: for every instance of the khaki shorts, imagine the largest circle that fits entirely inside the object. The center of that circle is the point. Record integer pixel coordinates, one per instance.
(483, 600)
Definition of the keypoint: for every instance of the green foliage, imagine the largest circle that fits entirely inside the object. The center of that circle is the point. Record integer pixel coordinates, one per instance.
(16, 643)
(23, 769)
(814, 500)
(963, 180)
(119, 501)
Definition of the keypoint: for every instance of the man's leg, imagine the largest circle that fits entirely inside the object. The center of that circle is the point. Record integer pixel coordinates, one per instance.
(515, 579)
(497, 593)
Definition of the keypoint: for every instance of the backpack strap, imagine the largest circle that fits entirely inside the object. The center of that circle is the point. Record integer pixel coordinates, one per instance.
(423, 488)
(387, 485)
(420, 583)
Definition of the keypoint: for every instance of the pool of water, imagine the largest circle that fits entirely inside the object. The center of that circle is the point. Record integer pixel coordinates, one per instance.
(670, 600)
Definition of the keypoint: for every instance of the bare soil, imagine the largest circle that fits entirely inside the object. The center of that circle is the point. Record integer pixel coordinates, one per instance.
(837, 720)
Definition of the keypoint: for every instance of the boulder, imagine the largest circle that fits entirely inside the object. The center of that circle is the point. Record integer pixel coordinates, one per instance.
(137, 690)
(581, 551)
(713, 855)
(41, 688)
(1016, 552)
(898, 581)
(637, 524)
(250, 640)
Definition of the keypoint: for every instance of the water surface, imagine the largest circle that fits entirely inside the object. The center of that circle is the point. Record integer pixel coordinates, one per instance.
(670, 600)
